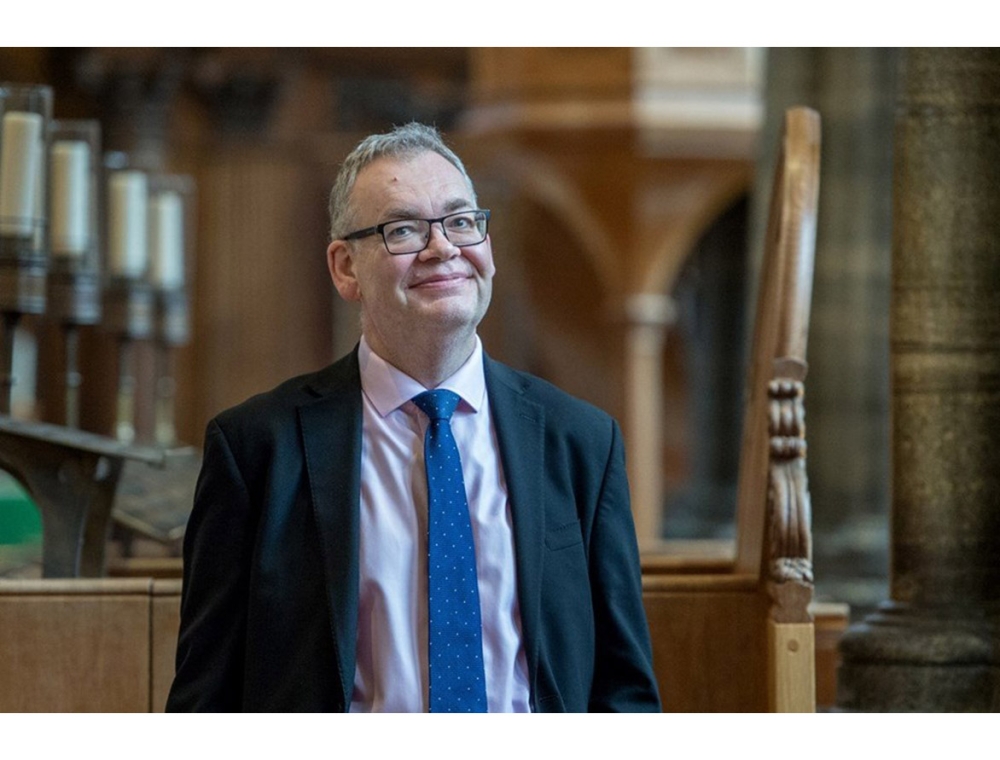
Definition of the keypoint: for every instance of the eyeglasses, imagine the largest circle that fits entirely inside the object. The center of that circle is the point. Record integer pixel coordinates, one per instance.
(402, 236)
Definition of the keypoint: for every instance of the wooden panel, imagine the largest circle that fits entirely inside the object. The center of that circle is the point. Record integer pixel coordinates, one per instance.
(709, 653)
(74, 646)
(700, 584)
(261, 308)
(166, 624)
(109, 645)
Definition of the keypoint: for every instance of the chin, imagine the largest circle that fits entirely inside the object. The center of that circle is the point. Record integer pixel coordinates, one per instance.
(455, 314)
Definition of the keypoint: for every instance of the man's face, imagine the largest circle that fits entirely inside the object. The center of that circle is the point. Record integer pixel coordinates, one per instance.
(440, 289)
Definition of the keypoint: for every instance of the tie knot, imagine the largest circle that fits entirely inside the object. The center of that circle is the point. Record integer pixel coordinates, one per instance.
(438, 404)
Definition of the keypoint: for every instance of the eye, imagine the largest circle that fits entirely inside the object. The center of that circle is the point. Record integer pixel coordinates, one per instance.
(400, 230)
(461, 222)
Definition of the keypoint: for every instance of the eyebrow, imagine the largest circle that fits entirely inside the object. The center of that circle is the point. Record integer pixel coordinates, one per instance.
(403, 212)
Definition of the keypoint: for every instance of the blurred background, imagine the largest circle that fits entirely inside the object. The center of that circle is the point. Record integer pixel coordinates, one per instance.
(629, 189)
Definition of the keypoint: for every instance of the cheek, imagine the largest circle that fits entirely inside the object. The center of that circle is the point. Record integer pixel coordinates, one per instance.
(482, 260)
(382, 277)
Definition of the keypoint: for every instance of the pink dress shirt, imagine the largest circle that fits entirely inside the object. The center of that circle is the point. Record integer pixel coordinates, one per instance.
(391, 672)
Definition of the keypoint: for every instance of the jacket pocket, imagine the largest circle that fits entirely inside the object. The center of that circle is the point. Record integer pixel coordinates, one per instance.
(563, 536)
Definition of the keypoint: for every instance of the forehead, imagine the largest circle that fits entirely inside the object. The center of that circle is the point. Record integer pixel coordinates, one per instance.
(422, 184)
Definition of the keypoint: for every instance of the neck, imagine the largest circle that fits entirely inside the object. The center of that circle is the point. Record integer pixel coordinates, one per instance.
(429, 361)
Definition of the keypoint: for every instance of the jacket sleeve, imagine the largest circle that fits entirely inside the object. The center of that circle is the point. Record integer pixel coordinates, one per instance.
(218, 544)
(623, 675)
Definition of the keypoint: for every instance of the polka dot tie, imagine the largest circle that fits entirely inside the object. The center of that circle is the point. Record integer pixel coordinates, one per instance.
(455, 636)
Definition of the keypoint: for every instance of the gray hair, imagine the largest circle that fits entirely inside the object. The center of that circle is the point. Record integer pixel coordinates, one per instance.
(402, 142)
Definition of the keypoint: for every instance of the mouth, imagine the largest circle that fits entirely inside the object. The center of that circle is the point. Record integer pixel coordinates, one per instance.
(439, 281)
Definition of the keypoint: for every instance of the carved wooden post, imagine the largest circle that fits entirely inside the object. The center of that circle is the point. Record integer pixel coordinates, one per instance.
(789, 575)
(935, 645)
(773, 452)
(855, 91)
(783, 319)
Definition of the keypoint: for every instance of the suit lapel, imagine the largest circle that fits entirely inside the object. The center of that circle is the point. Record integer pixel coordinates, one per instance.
(331, 439)
(520, 426)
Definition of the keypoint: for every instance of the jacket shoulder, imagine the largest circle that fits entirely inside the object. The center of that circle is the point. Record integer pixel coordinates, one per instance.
(560, 407)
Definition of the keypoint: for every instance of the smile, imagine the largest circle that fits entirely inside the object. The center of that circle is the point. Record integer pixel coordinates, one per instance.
(440, 282)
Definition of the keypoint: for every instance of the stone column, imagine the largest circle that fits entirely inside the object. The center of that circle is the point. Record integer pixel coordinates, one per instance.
(935, 645)
(648, 315)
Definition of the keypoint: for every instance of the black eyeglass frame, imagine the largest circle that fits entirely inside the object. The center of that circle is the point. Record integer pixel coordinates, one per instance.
(379, 229)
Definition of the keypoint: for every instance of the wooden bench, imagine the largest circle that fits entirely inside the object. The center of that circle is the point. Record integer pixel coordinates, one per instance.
(733, 631)
(87, 645)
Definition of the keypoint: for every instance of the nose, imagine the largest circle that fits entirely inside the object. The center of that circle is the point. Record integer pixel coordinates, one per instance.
(438, 245)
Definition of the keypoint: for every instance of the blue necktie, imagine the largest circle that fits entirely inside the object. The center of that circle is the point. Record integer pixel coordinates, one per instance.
(455, 636)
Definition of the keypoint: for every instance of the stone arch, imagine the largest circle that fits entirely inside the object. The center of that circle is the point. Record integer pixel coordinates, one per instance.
(541, 182)
(561, 289)
(707, 197)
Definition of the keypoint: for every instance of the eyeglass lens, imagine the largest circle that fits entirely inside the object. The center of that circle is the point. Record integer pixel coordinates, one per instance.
(412, 235)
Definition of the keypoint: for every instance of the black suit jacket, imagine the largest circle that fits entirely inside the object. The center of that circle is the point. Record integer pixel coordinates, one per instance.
(270, 597)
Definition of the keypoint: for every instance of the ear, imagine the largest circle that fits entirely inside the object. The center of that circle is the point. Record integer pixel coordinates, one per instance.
(340, 262)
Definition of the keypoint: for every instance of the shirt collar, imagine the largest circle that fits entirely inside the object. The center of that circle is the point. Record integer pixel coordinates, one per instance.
(389, 388)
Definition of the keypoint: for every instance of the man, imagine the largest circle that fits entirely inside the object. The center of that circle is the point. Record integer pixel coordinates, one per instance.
(361, 544)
